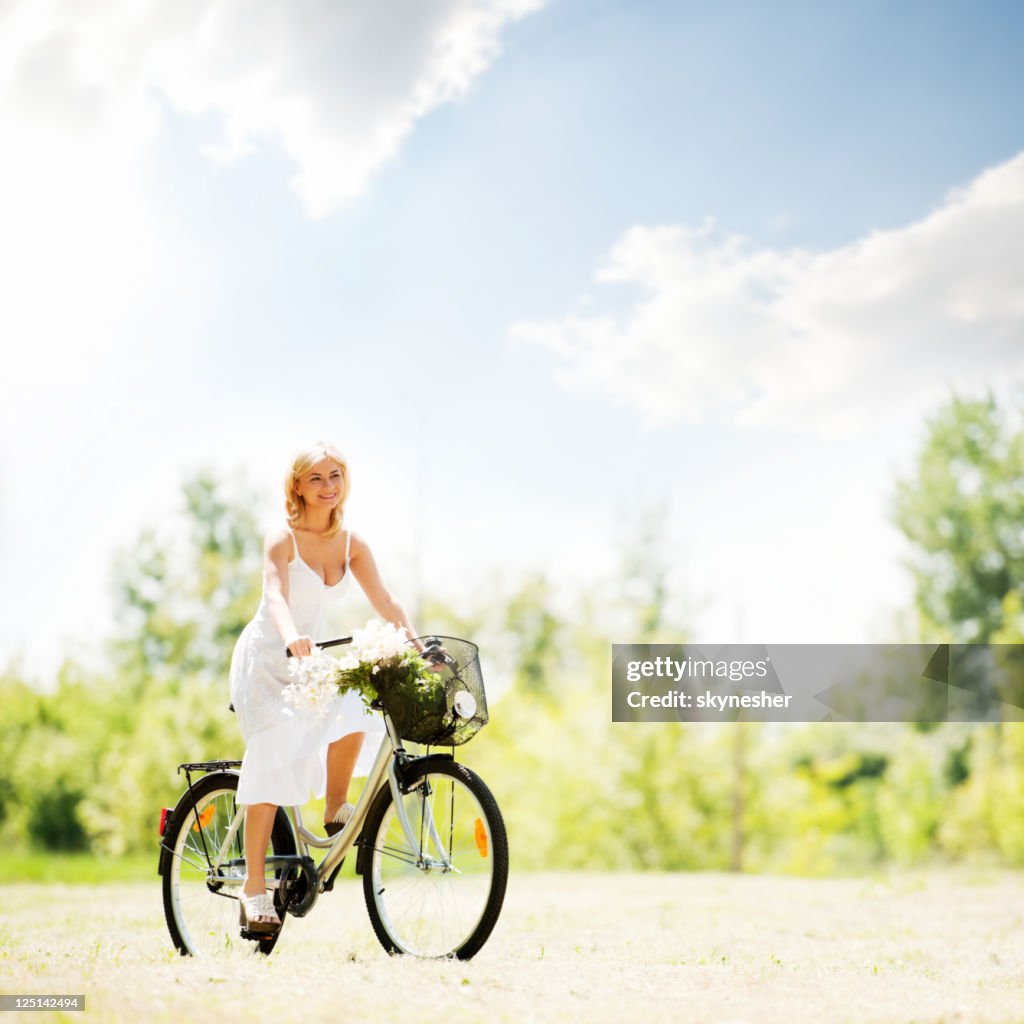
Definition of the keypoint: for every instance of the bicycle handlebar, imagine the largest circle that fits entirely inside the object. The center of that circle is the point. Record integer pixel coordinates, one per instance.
(327, 643)
(434, 649)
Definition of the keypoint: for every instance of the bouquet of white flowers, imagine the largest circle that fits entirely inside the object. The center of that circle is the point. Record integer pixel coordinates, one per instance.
(313, 687)
(379, 660)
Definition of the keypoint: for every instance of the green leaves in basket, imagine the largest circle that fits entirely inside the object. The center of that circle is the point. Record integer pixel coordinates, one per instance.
(410, 691)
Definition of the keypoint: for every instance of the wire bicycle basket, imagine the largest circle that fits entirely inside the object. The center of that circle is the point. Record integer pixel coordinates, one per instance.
(447, 712)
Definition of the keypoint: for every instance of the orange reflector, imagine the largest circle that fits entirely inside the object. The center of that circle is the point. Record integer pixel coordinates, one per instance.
(480, 834)
(204, 818)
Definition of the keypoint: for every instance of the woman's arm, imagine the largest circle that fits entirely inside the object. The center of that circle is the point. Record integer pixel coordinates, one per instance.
(277, 551)
(364, 568)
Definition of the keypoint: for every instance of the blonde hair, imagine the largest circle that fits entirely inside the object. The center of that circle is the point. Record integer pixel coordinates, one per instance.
(295, 505)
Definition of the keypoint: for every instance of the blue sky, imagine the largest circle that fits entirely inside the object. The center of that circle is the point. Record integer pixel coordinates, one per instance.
(618, 254)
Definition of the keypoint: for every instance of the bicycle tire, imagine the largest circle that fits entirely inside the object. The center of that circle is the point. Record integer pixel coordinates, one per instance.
(426, 910)
(203, 922)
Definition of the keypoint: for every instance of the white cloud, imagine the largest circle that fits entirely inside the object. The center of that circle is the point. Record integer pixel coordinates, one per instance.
(337, 85)
(84, 257)
(833, 342)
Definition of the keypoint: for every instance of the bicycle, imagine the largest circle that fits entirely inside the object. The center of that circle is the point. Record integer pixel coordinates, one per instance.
(431, 844)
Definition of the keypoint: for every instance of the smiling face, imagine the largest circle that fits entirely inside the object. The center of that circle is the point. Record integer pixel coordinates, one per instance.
(316, 489)
(323, 486)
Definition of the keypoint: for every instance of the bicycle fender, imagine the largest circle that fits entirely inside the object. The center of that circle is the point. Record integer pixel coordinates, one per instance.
(407, 772)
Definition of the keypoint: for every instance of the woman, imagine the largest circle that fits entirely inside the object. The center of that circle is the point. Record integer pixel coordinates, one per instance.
(292, 756)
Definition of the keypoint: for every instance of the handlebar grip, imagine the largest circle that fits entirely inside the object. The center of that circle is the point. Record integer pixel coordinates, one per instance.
(327, 643)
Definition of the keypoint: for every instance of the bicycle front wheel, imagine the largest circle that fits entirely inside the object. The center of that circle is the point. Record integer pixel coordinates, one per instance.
(201, 907)
(442, 895)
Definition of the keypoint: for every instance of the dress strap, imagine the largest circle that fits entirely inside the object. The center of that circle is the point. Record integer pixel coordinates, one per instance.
(295, 544)
(348, 545)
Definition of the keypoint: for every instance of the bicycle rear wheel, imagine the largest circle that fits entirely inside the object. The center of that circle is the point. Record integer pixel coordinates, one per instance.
(202, 911)
(443, 896)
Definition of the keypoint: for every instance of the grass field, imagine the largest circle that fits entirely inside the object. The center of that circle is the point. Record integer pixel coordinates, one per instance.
(73, 868)
(937, 946)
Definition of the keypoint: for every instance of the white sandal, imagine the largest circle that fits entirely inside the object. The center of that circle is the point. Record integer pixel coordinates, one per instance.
(340, 819)
(252, 907)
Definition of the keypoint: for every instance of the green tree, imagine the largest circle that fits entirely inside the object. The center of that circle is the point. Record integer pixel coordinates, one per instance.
(182, 603)
(536, 632)
(962, 511)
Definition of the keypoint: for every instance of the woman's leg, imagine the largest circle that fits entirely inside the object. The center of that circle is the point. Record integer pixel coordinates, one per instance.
(259, 823)
(341, 759)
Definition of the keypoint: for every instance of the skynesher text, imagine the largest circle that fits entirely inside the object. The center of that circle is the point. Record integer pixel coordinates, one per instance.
(714, 701)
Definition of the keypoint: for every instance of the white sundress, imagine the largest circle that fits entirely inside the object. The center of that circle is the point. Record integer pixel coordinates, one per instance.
(286, 749)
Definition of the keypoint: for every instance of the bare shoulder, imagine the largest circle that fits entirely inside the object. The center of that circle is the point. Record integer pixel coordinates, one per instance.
(278, 541)
(357, 544)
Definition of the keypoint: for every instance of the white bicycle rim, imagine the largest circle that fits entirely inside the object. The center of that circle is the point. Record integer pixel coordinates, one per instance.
(433, 912)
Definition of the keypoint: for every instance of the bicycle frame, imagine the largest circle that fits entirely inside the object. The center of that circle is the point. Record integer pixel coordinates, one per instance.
(391, 756)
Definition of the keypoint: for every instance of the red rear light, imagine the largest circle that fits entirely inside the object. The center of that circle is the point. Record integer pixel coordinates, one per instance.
(164, 811)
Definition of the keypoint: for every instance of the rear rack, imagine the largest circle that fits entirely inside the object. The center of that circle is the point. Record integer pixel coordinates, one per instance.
(207, 766)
